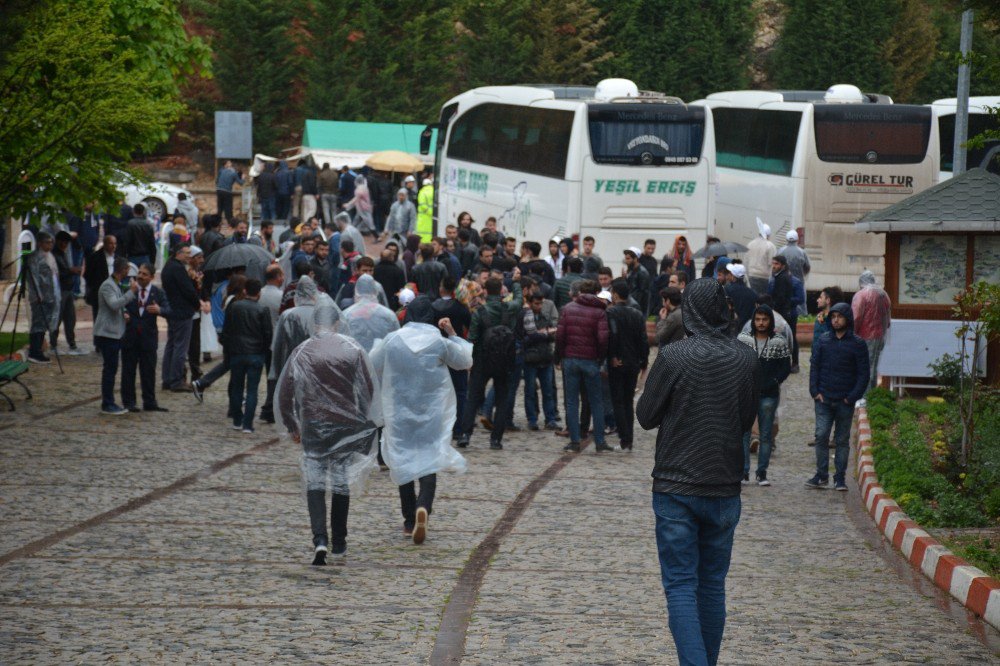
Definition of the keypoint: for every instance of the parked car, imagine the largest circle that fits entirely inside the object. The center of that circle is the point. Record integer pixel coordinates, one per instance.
(159, 198)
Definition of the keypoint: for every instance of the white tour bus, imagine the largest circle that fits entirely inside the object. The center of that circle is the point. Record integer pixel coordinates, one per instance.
(610, 162)
(816, 162)
(979, 121)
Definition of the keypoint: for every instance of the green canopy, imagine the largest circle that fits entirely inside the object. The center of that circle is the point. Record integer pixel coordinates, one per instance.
(339, 135)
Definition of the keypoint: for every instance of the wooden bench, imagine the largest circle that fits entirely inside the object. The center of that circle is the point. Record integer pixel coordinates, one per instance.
(9, 373)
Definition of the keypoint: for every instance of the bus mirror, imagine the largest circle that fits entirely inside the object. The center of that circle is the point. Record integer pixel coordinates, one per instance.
(425, 139)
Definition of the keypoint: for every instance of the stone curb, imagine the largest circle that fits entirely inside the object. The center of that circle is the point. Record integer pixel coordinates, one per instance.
(970, 586)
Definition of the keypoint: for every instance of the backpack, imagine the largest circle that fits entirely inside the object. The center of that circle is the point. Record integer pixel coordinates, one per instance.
(497, 349)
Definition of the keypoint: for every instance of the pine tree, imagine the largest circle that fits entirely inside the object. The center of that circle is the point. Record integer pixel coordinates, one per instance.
(567, 45)
(911, 48)
(494, 42)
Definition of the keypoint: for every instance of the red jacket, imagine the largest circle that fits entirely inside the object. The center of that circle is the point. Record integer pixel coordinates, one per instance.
(583, 329)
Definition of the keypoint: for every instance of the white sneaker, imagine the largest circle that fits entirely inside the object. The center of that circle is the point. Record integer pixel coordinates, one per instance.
(76, 351)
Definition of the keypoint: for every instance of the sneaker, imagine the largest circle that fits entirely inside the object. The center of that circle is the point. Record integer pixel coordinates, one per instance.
(552, 425)
(155, 408)
(76, 351)
(462, 442)
(133, 409)
(247, 431)
(533, 427)
(114, 410)
(819, 482)
(495, 445)
(237, 426)
(41, 359)
(746, 478)
(339, 553)
(602, 448)
(319, 557)
(572, 447)
(762, 479)
(196, 390)
(420, 528)
(840, 485)
(407, 531)
(485, 422)
(610, 431)
(861, 403)
(625, 446)
(181, 388)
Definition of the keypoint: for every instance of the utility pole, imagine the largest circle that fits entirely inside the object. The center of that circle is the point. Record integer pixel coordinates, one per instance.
(962, 109)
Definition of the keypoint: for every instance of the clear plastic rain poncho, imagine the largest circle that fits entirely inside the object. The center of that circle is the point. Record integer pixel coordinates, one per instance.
(367, 320)
(328, 395)
(418, 398)
(296, 324)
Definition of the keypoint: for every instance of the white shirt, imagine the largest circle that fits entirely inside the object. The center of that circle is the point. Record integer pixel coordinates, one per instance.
(111, 262)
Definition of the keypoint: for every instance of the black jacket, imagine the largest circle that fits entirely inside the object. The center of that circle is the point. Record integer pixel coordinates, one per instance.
(180, 291)
(247, 329)
(211, 241)
(743, 298)
(428, 276)
(140, 239)
(140, 331)
(95, 272)
(392, 278)
(627, 339)
(702, 394)
(783, 292)
(839, 367)
(461, 318)
(267, 185)
(638, 286)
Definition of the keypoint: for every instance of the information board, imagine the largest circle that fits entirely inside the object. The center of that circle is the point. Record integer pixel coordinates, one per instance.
(233, 135)
(913, 344)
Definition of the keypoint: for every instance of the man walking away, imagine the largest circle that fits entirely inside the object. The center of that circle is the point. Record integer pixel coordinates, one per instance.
(560, 292)
(450, 308)
(109, 328)
(494, 353)
(872, 317)
(184, 303)
(760, 252)
(628, 355)
(140, 238)
(418, 402)
(98, 267)
(328, 401)
(140, 342)
(581, 345)
(329, 189)
(246, 335)
(428, 273)
(775, 365)
(267, 192)
(228, 176)
(838, 377)
(742, 296)
(699, 464)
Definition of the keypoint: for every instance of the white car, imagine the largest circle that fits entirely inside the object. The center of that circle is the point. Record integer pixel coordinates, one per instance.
(158, 198)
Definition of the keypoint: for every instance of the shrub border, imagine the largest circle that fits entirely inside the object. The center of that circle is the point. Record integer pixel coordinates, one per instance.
(969, 585)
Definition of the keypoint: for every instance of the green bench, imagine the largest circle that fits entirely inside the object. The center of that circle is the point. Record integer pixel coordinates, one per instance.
(9, 373)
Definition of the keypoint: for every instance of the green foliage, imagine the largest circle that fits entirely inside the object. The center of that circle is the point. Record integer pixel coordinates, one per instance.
(80, 96)
(947, 371)
(982, 552)
(836, 41)
(566, 42)
(253, 62)
(495, 42)
(941, 80)
(686, 48)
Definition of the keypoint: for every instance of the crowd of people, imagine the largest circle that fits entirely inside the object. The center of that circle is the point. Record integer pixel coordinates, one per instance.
(400, 360)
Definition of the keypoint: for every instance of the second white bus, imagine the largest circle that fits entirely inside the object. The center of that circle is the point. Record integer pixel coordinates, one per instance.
(979, 121)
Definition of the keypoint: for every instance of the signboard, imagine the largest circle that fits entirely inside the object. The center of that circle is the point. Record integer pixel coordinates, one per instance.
(912, 344)
(233, 135)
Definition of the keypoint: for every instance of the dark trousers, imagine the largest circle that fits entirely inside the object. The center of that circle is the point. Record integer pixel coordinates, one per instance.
(213, 375)
(410, 501)
(224, 205)
(460, 380)
(67, 319)
(246, 370)
(339, 507)
(267, 410)
(194, 349)
(477, 394)
(145, 361)
(35, 342)
(282, 205)
(179, 332)
(110, 351)
(622, 382)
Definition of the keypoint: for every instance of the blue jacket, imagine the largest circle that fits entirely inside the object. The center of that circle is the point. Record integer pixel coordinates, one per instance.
(839, 365)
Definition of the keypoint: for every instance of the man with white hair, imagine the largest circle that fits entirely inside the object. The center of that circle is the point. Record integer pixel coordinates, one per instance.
(872, 312)
(798, 260)
(758, 258)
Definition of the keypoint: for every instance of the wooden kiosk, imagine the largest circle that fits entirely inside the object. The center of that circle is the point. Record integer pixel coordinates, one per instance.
(938, 242)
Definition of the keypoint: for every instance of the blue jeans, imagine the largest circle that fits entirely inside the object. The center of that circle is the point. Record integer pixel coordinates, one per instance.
(111, 353)
(267, 208)
(766, 409)
(245, 371)
(546, 376)
(579, 372)
(829, 414)
(694, 536)
(460, 380)
(513, 382)
(77, 261)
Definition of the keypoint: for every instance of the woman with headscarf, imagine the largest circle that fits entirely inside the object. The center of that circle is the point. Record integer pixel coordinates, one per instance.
(419, 407)
(367, 320)
(362, 204)
(328, 401)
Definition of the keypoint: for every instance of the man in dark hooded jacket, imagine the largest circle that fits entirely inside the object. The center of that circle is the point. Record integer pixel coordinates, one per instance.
(838, 377)
(699, 464)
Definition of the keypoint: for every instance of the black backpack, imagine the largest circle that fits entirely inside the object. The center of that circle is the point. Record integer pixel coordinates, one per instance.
(498, 350)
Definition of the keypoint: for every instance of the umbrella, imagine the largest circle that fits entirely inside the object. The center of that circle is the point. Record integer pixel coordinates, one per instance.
(719, 249)
(394, 160)
(253, 257)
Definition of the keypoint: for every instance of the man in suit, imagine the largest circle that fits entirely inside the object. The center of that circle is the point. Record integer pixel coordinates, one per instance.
(140, 342)
(97, 268)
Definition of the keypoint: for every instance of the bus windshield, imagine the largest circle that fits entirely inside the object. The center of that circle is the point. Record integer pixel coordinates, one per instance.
(646, 134)
(872, 134)
(978, 123)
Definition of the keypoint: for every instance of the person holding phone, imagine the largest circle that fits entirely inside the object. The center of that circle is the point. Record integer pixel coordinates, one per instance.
(109, 329)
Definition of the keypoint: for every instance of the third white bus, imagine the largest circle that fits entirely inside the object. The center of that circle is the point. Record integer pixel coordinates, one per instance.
(979, 121)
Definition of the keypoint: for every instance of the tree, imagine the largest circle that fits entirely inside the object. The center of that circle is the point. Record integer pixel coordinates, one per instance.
(78, 98)
(567, 42)
(686, 48)
(495, 42)
(836, 41)
(255, 62)
(910, 50)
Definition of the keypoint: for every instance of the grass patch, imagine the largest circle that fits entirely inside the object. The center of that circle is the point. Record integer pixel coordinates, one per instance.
(20, 340)
(980, 551)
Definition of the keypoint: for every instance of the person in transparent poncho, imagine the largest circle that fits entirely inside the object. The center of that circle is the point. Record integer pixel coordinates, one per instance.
(367, 320)
(328, 400)
(418, 401)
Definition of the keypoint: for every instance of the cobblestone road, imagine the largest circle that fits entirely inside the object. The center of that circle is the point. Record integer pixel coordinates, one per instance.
(169, 538)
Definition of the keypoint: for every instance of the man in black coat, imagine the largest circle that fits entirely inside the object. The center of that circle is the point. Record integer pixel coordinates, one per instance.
(97, 268)
(184, 302)
(781, 288)
(140, 239)
(140, 342)
(392, 278)
(628, 355)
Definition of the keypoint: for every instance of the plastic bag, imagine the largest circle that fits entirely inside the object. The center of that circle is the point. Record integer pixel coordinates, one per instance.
(209, 338)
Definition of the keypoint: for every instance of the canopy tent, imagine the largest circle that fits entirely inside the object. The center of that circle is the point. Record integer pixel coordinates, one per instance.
(340, 142)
